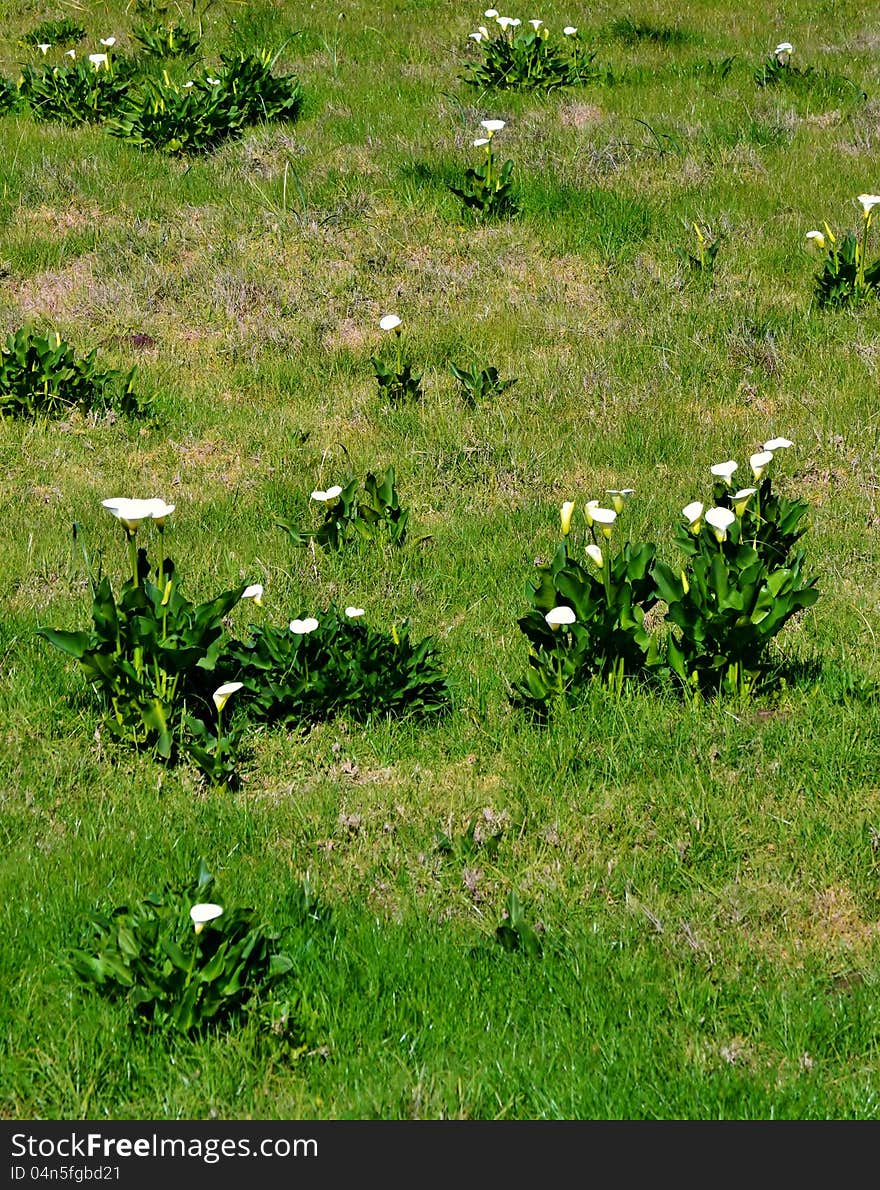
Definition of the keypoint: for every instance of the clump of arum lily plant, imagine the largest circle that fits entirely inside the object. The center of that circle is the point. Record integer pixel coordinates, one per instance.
(701, 261)
(589, 605)
(846, 278)
(182, 962)
(41, 376)
(487, 191)
(477, 384)
(167, 40)
(150, 652)
(88, 90)
(368, 512)
(778, 70)
(525, 56)
(395, 377)
(742, 581)
(61, 32)
(334, 663)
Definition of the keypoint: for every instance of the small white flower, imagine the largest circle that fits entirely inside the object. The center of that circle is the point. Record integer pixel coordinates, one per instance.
(559, 616)
(354, 613)
(492, 126)
(107, 41)
(255, 592)
(515, 22)
(869, 201)
(724, 470)
(188, 84)
(504, 22)
(482, 29)
(565, 516)
(741, 498)
(816, 237)
(70, 53)
(212, 82)
(129, 512)
(389, 322)
(159, 510)
(760, 462)
(693, 514)
(302, 627)
(480, 141)
(569, 31)
(201, 914)
(604, 518)
(619, 497)
(594, 553)
(536, 25)
(475, 36)
(784, 47)
(777, 444)
(720, 520)
(223, 693)
(490, 13)
(588, 511)
(326, 497)
(44, 47)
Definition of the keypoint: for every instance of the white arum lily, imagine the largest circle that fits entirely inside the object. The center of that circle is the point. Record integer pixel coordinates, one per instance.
(212, 82)
(720, 520)
(594, 553)
(202, 914)
(44, 47)
(693, 514)
(130, 513)
(784, 47)
(604, 518)
(504, 22)
(536, 25)
(223, 693)
(619, 497)
(255, 592)
(326, 497)
(515, 23)
(817, 238)
(760, 462)
(354, 613)
(491, 13)
(570, 31)
(303, 627)
(480, 141)
(159, 510)
(724, 470)
(557, 617)
(492, 126)
(475, 36)
(740, 499)
(777, 444)
(869, 201)
(70, 53)
(107, 41)
(389, 322)
(565, 516)
(98, 60)
(482, 29)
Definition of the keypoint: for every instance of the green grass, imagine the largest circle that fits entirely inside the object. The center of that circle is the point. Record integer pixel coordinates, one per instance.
(703, 878)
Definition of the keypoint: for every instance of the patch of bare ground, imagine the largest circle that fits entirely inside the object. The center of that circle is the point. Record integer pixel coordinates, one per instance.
(65, 293)
(54, 220)
(579, 115)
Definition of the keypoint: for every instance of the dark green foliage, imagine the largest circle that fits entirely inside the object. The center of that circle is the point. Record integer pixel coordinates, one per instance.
(843, 279)
(527, 60)
(822, 86)
(370, 513)
(479, 383)
(162, 115)
(343, 665)
(397, 384)
(172, 977)
(608, 639)
(60, 32)
(41, 376)
(78, 93)
(515, 933)
(487, 192)
(11, 98)
(167, 41)
(148, 654)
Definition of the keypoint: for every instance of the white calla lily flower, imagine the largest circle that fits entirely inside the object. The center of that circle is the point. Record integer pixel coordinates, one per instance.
(491, 13)
(389, 322)
(44, 47)
(98, 60)
(482, 29)
(594, 553)
(869, 201)
(777, 444)
(255, 592)
(536, 25)
(565, 516)
(130, 512)
(740, 499)
(604, 518)
(212, 82)
(504, 22)
(693, 514)
(720, 520)
(354, 613)
(619, 497)
(515, 23)
(70, 53)
(784, 47)
(223, 693)
(475, 36)
(159, 510)
(202, 914)
(760, 462)
(325, 497)
(724, 470)
(557, 617)
(492, 126)
(107, 41)
(480, 141)
(303, 627)
(570, 31)
(817, 238)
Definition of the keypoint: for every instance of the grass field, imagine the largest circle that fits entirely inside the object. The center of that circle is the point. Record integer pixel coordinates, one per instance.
(701, 874)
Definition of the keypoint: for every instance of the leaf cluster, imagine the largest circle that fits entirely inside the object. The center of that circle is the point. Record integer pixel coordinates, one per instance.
(167, 40)
(41, 376)
(529, 60)
(58, 32)
(845, 279)
(488, 193)
(78, 92)
(149, 955)
(479, 383)
(368, 512)
(342, 666)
